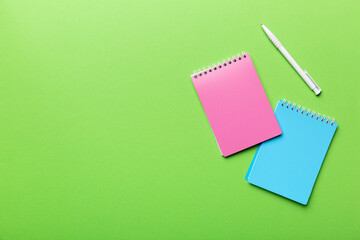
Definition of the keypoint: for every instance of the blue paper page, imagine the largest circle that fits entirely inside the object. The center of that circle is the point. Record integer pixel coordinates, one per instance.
(289, 164)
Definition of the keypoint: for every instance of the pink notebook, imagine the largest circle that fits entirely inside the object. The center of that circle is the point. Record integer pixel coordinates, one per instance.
(236, 105)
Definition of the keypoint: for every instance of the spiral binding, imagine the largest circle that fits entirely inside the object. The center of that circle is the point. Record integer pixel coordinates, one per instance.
(308, 112)
(214, 67)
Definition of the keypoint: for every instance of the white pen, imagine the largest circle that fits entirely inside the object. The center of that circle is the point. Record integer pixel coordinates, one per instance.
(307, 78)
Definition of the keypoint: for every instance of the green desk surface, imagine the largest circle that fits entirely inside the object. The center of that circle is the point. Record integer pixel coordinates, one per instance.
(102, 135)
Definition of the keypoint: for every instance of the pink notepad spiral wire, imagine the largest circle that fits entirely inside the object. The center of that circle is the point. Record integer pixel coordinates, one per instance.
(235, 104)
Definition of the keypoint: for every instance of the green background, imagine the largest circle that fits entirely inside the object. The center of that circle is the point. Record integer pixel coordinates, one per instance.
(102, 135)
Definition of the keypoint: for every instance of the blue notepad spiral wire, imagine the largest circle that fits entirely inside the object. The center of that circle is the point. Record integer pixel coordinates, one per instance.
(288, 165)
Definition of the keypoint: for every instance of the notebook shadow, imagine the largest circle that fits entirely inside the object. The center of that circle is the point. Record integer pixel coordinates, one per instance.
(324, 162)
(284, 199)
(249, 149)
(307, 206)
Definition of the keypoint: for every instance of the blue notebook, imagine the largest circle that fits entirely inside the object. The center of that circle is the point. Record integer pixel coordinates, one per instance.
(288, 165)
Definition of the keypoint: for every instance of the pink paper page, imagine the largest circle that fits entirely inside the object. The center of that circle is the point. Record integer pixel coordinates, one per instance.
(236, 105)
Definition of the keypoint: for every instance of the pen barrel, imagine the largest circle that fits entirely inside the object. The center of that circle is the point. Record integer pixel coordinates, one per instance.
(274, 40)
(296, 66)
(271, 36)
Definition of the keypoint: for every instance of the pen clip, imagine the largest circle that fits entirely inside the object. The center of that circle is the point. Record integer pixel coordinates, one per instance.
(317, 88)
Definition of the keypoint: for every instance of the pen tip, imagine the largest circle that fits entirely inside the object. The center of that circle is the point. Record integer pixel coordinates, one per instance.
(262, 24)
